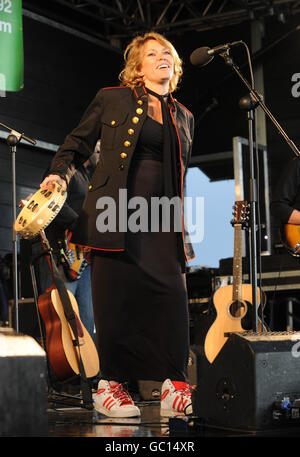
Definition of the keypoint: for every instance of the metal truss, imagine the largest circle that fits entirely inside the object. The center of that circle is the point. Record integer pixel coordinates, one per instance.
(116, 20)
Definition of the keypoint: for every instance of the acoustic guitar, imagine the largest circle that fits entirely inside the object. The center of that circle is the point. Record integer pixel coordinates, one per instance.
(233, 303)
(60, 341)
(64, 356)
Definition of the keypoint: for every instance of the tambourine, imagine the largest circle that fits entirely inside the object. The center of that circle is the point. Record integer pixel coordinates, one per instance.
(39, 211)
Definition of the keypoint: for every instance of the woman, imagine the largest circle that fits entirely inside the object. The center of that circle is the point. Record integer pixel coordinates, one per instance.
(138, 281)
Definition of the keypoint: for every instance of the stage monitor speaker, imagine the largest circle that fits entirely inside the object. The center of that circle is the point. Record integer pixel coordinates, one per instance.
(23, 393)
(252, 384)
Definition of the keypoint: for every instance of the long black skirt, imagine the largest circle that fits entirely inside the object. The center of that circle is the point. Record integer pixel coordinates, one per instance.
(140, 299)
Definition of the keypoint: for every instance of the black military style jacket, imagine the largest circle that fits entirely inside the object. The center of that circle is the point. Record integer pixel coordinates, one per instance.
(115, 116)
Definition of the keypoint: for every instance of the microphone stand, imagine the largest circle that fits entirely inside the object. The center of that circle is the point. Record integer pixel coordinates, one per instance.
(255, 100)
(12, 140)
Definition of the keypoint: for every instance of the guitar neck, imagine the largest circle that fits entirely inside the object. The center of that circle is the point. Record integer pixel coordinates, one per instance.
(237, 263)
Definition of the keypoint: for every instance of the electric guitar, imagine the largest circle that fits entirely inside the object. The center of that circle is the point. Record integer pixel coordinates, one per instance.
(233, 303)
(292, 238)
(73, 258)
(60, 340)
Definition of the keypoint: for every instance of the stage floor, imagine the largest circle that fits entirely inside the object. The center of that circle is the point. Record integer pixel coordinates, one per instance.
(79, 422)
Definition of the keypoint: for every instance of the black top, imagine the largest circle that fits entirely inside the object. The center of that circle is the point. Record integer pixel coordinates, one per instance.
(170, 148)
(287, 193)
(150, 143)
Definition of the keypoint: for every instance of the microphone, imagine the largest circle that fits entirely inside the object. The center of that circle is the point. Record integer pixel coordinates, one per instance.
(202, 56)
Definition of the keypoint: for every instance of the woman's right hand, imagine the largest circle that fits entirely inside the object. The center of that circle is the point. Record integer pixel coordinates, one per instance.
(51, 179)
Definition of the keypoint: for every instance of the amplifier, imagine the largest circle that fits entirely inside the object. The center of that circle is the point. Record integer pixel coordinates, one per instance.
(279, 272)
(200, 282)
(27, 317)
(252, 376)
(271, 281)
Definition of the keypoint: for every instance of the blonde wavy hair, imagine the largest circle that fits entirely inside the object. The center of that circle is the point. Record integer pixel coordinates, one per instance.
(129, 76)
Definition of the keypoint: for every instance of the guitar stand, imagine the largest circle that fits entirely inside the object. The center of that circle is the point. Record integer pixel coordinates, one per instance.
(54, 396)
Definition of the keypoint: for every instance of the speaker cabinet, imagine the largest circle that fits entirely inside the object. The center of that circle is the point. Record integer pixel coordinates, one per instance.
(27, 317)
(23, 393)
(250, 377)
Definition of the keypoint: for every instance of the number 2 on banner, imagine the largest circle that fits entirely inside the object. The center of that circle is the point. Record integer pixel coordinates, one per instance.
(5, 5)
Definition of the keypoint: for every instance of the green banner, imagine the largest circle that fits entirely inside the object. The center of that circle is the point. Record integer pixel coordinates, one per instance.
(11, 46)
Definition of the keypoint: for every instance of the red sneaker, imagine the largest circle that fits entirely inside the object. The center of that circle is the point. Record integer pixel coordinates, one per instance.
(113, 400)
(176, 399)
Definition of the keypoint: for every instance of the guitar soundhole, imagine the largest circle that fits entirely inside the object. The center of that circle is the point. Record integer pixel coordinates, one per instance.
(238, 309)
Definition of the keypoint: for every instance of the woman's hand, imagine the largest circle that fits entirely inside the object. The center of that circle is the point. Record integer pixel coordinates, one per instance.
(51, 179)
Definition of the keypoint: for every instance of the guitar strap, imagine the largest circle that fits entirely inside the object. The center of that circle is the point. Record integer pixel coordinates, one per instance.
(71, 318)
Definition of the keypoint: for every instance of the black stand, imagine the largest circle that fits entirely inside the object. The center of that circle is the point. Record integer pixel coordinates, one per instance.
(254, 101)
(13, 139)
